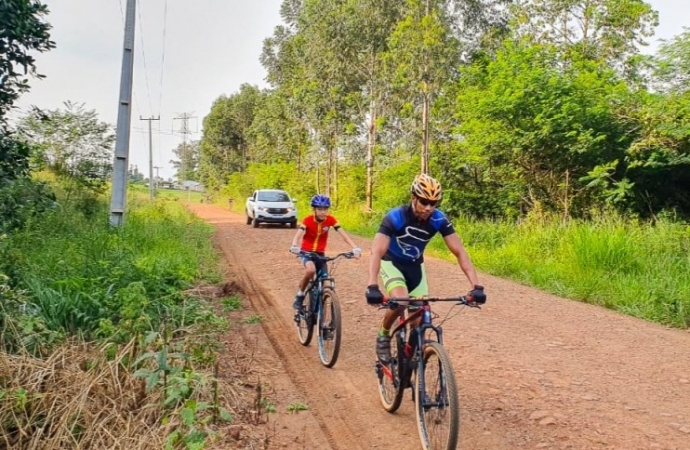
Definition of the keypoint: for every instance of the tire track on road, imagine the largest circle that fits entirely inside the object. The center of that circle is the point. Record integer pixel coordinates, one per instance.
(342, 429)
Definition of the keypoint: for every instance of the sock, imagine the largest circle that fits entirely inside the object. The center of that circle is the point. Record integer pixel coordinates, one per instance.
(300, 293)
(383, 332)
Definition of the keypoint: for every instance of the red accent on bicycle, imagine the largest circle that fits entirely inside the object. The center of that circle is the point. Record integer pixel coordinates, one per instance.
(419, 362)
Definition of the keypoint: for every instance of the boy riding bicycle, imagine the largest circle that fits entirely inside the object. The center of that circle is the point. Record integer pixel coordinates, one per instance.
(398, 255)
(313, 234)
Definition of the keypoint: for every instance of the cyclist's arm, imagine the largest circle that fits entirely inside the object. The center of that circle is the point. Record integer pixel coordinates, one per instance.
(378, 250)
(297, 240)
(346, 237)
(455, 246)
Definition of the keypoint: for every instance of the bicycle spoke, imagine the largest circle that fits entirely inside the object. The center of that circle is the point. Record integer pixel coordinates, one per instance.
(329, 328)
(305, 324)
(437, 405)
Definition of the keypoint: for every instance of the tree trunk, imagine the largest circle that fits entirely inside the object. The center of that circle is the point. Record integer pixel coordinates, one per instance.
(425, 133)
(371, 143)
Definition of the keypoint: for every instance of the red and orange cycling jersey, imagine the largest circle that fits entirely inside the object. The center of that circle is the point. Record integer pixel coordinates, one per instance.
(316, 233)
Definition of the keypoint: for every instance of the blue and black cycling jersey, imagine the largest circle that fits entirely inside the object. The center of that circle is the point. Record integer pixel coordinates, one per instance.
(409, 236)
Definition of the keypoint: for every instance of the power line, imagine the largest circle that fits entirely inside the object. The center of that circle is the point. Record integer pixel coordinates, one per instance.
(165, 26)
(160, 85)
(143, 52)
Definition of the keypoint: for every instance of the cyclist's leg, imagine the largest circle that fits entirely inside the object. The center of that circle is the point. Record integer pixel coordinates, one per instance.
(421, 289)
(399, 281)
(395, 285)
(403, 281)
(309, 271)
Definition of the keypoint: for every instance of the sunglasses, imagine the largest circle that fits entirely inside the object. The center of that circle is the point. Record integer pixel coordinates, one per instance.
(425, 202)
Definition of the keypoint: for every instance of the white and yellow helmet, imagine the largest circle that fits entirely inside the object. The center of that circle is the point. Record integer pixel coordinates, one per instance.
(427, 188)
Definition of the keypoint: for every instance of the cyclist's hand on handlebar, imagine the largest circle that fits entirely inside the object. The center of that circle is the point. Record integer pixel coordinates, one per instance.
(477, 295)
(295, 249)
(374, 295)
(357, 252)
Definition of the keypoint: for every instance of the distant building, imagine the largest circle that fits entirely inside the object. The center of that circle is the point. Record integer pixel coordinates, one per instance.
(194, 186)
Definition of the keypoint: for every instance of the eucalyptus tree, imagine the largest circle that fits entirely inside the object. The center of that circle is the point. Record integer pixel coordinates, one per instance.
(606, 30)
(187, 163)
(425, 50)
(224, 145)
(672, 63)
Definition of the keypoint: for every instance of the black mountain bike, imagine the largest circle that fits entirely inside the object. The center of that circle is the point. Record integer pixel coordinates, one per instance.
(321, 307)
(419, 361)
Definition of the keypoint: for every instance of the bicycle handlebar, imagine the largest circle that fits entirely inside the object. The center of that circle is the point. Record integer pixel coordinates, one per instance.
(348, 255)
(393, 303)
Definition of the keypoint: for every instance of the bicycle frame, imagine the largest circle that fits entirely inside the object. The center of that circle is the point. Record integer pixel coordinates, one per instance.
(322, 278)
(316, 286)
(413, 344)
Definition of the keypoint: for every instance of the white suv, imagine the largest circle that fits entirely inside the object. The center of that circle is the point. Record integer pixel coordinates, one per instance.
(271, 206)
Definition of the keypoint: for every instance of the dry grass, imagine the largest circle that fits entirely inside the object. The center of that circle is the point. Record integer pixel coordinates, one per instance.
(75, 398)
(79, 398)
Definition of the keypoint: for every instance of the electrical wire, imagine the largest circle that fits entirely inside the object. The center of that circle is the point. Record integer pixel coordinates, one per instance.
(165, 26)
(143, 52)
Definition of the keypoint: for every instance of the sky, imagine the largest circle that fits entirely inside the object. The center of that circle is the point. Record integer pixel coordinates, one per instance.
(187, 54)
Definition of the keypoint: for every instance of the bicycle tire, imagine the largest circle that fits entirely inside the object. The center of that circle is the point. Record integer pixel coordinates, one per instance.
(391, 388)
(437, 406)
(305, 325)
(330, 328)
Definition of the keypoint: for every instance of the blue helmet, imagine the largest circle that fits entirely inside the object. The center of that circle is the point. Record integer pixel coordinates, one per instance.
(320, 201)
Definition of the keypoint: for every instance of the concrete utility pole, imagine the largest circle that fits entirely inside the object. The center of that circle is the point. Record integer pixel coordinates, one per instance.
(118, 199)
(157, 176)
(151, 186)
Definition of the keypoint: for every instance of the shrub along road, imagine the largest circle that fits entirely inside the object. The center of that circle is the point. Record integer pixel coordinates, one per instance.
(534, 370)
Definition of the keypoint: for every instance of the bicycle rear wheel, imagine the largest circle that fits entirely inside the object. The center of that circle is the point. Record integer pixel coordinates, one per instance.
(330, 330)
(390, 384)
(436, 401)
(305, 324)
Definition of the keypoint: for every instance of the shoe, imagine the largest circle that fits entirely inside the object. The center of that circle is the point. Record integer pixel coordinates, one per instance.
(383, 349)
(298, 304)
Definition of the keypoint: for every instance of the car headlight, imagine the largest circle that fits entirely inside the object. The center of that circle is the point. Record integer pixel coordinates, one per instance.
(263, 208)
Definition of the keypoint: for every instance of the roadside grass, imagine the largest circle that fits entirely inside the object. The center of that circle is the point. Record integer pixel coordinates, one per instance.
(108, 337)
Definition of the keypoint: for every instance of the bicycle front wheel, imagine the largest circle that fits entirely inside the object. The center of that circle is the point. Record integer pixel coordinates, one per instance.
(305, 320)
(436, 401)
(330, 330)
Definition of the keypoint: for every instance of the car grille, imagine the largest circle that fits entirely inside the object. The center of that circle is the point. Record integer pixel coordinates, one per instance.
(277, 210)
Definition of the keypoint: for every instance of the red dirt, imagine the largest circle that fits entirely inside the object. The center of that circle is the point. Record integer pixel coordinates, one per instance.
(534, 370)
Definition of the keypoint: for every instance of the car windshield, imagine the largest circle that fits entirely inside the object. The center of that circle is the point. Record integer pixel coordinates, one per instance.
(273, 197)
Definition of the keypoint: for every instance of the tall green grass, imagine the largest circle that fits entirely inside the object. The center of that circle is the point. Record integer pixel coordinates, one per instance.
(80, 276)
(633, 267)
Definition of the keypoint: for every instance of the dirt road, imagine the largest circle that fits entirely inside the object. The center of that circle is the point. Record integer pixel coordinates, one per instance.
(534, 370)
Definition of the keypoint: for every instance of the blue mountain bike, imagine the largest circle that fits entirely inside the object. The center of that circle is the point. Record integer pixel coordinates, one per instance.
(321, 307)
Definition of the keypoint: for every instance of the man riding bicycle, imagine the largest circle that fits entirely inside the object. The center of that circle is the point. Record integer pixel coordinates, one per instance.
(313, 235)
(397, 254)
